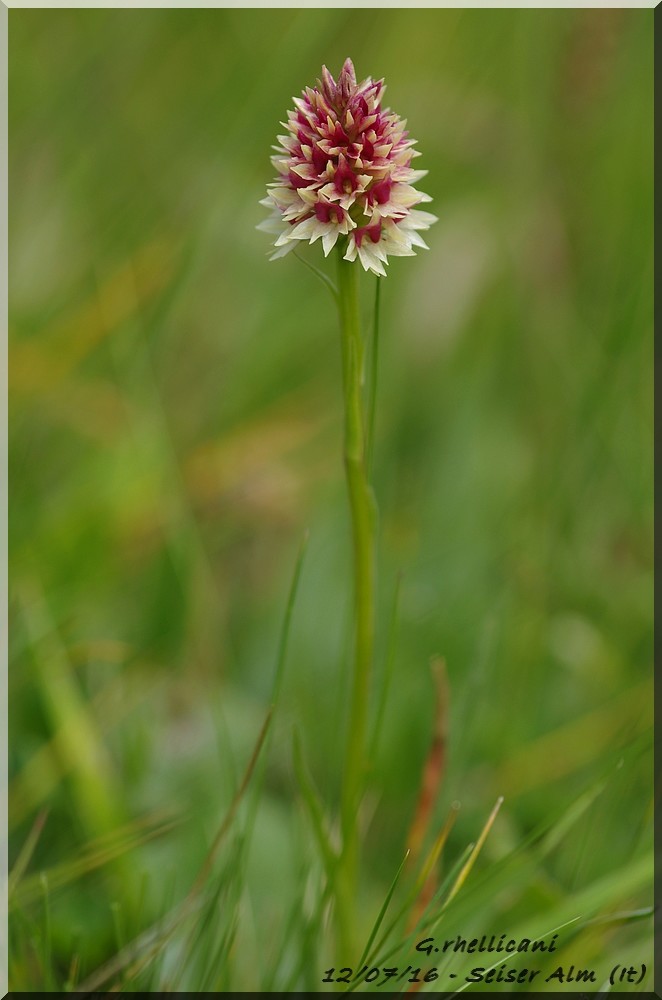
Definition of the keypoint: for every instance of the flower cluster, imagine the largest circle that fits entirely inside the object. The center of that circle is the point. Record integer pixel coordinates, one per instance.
(345, 171)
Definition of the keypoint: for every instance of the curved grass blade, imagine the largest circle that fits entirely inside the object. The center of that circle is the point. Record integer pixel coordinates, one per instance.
(541, 937)
(320, 274)
(625, 917)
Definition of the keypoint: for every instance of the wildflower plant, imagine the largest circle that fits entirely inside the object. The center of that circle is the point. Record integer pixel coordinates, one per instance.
(345, 177)
(345, 173)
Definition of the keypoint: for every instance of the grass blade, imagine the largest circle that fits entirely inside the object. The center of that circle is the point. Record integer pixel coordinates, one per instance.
(388, 668)
(471, 860)
(208, 863)
(434, 767)
(384, 908)
(287, 621)
(436, 849)
(97, 854)
(26, 852)
(320, 274)
(315, 809)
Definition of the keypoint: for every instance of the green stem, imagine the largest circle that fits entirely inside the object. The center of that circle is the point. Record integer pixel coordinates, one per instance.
(374, 367)
(363, 544)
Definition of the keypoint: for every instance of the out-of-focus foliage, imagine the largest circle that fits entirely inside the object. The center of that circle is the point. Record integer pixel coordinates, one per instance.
(175, 427)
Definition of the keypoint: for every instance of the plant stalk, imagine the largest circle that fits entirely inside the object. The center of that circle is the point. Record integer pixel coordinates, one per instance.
(362, 510)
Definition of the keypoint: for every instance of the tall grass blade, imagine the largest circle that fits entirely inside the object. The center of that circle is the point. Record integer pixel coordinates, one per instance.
(287, 621)
(435, 763)
(388, 668)
(292, 931)
(232, 811)
(200, 934)
(573, 814)
(312, 934)
(437, 847)
(540, 937)
(26, 852)
(471, 860)
(430, 915)
(315, 809)
(279, 671)
(382, 912)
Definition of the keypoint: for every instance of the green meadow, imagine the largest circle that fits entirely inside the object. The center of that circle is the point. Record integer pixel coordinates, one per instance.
(180, 566)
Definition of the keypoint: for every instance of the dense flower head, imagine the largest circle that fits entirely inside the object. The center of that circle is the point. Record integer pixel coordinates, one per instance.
(344, 171)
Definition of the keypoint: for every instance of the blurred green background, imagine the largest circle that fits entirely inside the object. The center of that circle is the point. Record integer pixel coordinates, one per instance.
(175, 427)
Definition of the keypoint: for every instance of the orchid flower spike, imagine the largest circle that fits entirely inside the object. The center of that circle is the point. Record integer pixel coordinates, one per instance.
(344, 172)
